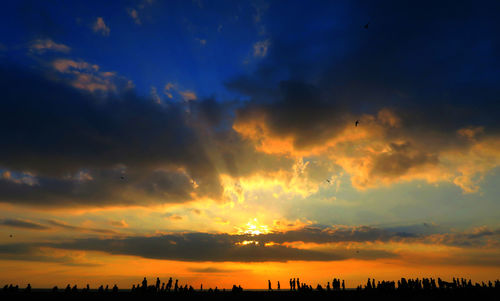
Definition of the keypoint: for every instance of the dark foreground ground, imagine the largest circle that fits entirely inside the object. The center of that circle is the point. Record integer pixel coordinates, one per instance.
(456, 294)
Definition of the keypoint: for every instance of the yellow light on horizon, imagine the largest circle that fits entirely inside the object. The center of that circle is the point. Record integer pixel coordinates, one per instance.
(253, 227)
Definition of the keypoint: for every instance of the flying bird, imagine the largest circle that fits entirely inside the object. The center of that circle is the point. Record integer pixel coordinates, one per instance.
(366, 25)
(328, 180)
(356, 123)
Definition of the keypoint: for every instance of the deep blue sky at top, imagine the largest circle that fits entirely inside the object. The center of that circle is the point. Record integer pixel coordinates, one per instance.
(203, 45)
(166, 46)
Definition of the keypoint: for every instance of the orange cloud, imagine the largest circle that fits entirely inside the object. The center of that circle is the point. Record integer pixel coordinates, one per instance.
(380, 151)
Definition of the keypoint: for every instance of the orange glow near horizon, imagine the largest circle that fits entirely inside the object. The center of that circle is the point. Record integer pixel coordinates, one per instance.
(126, 271)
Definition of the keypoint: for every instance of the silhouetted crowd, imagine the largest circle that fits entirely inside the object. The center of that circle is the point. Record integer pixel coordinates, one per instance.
(424, 284)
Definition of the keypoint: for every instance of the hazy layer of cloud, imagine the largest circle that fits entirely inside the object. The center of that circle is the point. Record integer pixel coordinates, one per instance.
(309, 243)
(207, 247)
(212, 270)
(53, 224)
(22, 224)
(66, 226)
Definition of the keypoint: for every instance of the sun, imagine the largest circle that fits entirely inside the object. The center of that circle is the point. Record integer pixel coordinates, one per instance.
(253, 227)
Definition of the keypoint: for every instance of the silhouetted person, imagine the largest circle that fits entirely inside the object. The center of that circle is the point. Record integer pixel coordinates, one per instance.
(115, 289)
(201, 287)
(343, 285)
(269, 285)
(28, 288)
(145, 284)
(157, 284)
(356, 123)
(279, 286)
(298, 283)
(176, 288)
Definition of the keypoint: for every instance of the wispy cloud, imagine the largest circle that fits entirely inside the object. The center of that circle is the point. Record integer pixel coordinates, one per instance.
(202, 42)
(260, 48)
(22, 224)
(88, 76)
(44, 45)
(100, 27)
(119, 224)
(132, 12)
(186, 95)
(66, 226)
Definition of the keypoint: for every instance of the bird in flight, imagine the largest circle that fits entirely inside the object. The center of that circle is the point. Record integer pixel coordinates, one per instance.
(328, 180)
(366, 25)
(356, 123)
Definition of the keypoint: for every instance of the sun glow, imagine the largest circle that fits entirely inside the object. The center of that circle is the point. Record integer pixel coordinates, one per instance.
(247, 242)
(253, 227)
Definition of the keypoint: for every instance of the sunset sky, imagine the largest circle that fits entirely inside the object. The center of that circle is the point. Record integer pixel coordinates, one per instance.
(215, 141)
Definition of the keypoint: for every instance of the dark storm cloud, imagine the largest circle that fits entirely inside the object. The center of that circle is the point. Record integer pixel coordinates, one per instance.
(435, 65)
(105, 187)
(77, 146)
(54, 131)
(22, 224)
(43, 119)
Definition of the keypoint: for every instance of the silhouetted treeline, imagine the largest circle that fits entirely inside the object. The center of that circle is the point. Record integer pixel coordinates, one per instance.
(427, 288)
